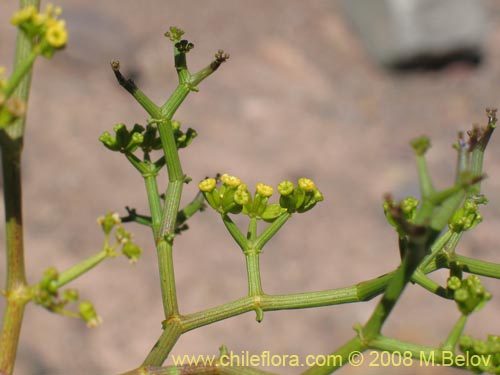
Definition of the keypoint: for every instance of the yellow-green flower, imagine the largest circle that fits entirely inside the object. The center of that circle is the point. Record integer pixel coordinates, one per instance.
(306, 184)
(318, 195)
(264, 190)
(56, 34)
(207, 185)
(241, 196)
(230, 180)
(23, 15)
(285, 187)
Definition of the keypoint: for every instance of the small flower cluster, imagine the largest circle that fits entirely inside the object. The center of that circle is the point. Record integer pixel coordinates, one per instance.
(44, 27)
(174, 34)
(112, 221)
(233, 197)
(46, 294)
(488, 351)
(469, 294)
(466, 217)
(146, 138)
(407, 210)
(420, 145)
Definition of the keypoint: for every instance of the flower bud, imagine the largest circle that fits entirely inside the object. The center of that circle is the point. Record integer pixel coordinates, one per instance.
(318, 195)
(242, 196)
(108, 222)
(109, 141)
(306, 184)
(207, 185)
(49, 278)
(454, 283)
(229, 203)
(122, 135)
(131, 251)
(285, 187)
(56, 34)
(421, 145)
(135, 141)
(88, 314)
(264, 190)
(149, 139)
(70, 295)
(230, 180)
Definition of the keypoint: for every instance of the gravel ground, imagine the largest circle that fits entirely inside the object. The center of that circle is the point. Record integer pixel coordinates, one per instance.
(299, 97)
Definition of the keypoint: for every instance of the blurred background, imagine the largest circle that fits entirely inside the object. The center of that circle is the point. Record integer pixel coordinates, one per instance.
(305, 93)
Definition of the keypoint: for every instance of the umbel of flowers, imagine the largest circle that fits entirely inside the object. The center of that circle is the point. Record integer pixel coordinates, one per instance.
(233, 196)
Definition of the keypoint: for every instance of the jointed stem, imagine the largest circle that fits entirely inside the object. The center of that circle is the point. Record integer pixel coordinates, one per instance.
(11, 142)
(171, 333)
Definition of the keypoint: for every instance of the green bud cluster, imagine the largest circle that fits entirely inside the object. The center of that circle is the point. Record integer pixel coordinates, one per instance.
(488, 350)
(110, 222)
(469, 294)
(146, 138)
(46, 292)
(408, 210)
(420, 145)
(174, 34)
(234, 197)
(465, 218)
(300, 198)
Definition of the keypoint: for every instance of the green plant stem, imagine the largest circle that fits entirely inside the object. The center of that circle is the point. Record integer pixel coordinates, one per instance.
(174, 101)
(413, 256)
(9, 340)
(362, 291)
(191, 208)
(426, 187)
(154, 202)
(170, 209)
(171, 333)
(11, 167)
(476, 266)
(454, 336)
(252, 229)
(343, 353)
(384, 307)
(151, 108)
(253, 272)
(421, 353)
(79, 269)
(23, 52)
(271, 230)
(392, 345)
(167, 279)
(421, 279)
(198, 370)
(445, 211)
(436, 247)
(11, 143)
(235, 232)
(19, 73)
